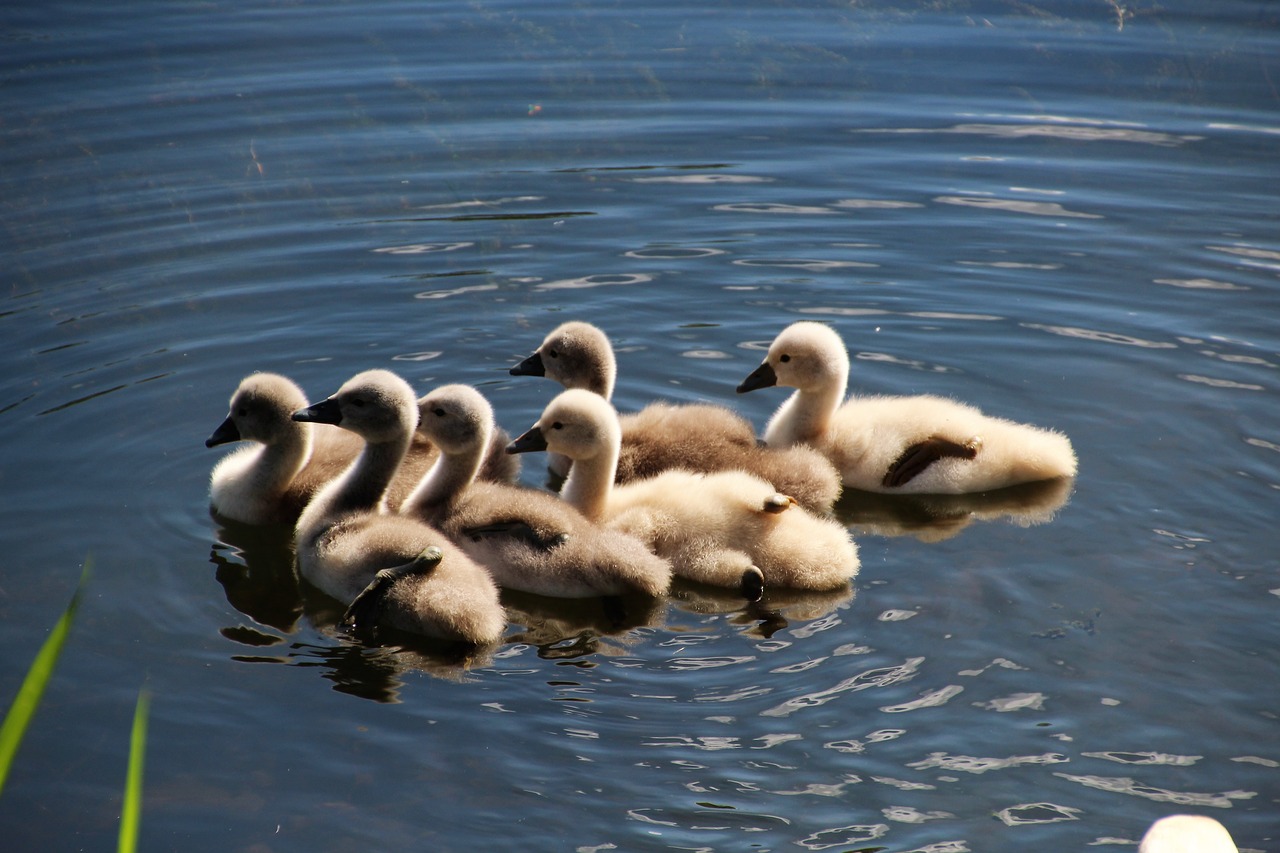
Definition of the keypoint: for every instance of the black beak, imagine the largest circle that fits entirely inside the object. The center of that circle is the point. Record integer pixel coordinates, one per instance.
(226, 433)
(529, 442)
(325, 412)
(762, 377)
(531, 366)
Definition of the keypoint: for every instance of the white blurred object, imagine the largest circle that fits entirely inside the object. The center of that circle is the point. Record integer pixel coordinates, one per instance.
(1187, 834)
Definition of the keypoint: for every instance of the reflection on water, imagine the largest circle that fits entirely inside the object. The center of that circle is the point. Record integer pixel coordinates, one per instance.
(934, 518)
(256, 568)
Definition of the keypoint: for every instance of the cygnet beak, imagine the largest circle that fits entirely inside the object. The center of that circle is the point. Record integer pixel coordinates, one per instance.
(325, 412)
(226, 433)
(762, 377)
(529, 442)
(531, 366)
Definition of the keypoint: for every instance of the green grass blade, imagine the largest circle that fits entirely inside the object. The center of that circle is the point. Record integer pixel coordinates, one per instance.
(131, 811)
(24, 704)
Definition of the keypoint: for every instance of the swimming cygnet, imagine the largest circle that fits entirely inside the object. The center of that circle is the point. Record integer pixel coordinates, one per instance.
(1187, 834)
(273, 478)
(398, 570)
(694, 436)
(921, 444)
(727, 528)
(528, 540)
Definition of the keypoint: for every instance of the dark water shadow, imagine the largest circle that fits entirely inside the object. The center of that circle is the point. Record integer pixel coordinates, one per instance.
(779, 608)
(255, 566)
(934, 518)
(576, 628)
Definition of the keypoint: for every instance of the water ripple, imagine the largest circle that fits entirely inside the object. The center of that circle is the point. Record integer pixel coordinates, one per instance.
(874, 204)
(1101, 337)
(422, 248)
(1014, 702)
(1200, 284)
(879, 677)
(1037, 813)
(775, 207)
(933, 699)
(1034, 208)
(708, 744)
(1053, 127)
(456, 291)
(590, 281)
(497, 202)
(1125, 785)
(1254, 257)
(711, 817)
(675, 253)
(709, 663)
(844, 835)
(810, 265)
(978, 766)
(1219, 383)
(1145, 758)
(703, 179)
(418, 356)
(906, 814)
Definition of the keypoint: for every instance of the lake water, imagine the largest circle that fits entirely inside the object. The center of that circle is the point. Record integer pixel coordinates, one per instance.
(1063, 211)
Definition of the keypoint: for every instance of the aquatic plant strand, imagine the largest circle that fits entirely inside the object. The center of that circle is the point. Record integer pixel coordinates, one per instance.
(24, 704)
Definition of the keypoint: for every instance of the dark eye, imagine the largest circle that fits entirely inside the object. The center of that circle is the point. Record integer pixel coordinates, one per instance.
(438, 412)
(358, 402)
(242, 412)
(784, 358)
(557, 425)
(553, 354)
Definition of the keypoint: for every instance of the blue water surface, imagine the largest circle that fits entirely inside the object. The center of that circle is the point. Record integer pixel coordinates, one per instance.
(1064, 212)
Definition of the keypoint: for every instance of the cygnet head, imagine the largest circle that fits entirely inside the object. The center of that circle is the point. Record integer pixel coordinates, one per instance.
(577, 424)
(377, 405)
(260, 410)
(806, 355)
(575, 354)
(456, 418)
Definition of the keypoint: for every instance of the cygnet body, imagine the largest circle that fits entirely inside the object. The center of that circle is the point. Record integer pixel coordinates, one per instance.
(694, 437)
(717, 528)
(528, 540)
(918, 444)
(344, 537)
(271, 479)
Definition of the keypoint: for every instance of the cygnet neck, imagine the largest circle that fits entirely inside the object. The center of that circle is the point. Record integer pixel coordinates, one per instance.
(362, 487)
(281, 460)
(454, 470)
(807, 413)
(590, 482)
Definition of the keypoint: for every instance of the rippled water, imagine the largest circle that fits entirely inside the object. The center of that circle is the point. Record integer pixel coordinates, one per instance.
(1064, 212)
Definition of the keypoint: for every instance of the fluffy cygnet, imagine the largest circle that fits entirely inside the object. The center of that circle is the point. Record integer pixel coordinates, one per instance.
(694, 437)
(528, 540)
(273, 478)
(920, 444)
(727, 528)
(1187, 834)
(402, 571)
